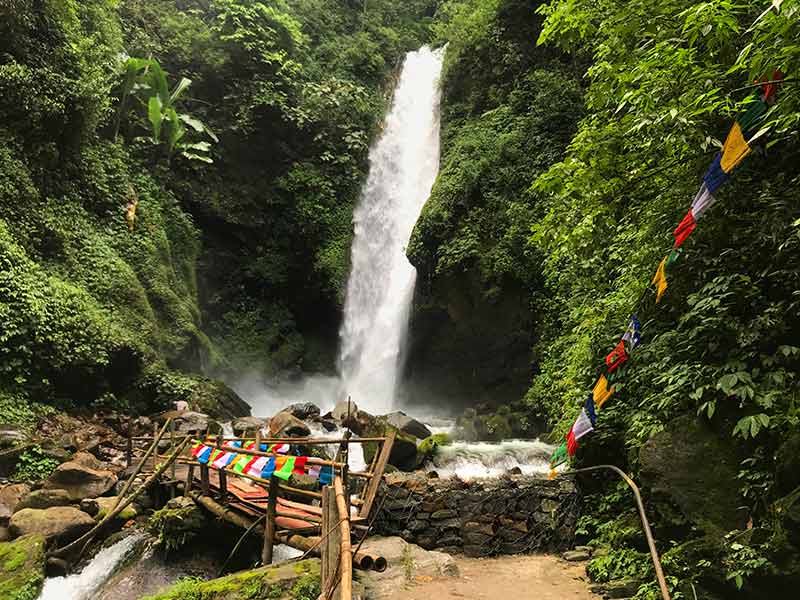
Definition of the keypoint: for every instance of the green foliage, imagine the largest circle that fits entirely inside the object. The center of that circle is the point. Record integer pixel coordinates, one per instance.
(168, 127)
(34, 465)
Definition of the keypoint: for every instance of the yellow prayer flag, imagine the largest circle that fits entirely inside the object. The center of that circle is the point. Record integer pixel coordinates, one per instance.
(660, 279)
(601, 392)
(552, 474)
(734, 150)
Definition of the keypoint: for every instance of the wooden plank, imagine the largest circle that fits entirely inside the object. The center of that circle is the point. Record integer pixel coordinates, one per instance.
(377, 476)
(332, 545)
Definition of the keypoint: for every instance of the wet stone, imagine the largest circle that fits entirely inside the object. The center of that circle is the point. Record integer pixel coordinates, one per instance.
(450, 540)
(448, 524)
(444, 514)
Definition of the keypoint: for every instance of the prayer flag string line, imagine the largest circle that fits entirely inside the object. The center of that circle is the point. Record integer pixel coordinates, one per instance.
(735, 149)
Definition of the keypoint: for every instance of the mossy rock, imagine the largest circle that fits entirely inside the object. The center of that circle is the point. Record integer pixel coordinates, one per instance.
(404, 453)
(288, 581)
(427, 447)
(22, 568)
(177, 526)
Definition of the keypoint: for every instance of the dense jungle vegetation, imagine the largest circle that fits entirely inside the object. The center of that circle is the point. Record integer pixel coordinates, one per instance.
(176, 182)
(706, 412)
(177, 179)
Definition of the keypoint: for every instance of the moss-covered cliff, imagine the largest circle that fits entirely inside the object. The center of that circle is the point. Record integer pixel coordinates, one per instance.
(509, 109)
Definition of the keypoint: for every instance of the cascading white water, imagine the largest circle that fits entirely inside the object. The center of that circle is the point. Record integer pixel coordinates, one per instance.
(403, 166)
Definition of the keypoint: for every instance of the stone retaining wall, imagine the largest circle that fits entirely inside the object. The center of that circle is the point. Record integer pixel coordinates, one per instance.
(486, 517)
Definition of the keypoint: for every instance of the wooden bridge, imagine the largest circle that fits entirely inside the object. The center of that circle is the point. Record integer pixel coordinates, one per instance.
(324, 521)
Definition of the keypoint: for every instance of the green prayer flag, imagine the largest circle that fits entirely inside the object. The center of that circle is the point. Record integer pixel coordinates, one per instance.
(559, 456)
(286, 470)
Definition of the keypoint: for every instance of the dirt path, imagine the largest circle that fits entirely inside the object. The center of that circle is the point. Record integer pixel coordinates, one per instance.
(505, 578)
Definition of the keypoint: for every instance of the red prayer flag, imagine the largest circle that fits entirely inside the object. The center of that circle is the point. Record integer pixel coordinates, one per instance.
(684, 228)
(572, 443)
(250, 463)
(300, 465)
(616, 357)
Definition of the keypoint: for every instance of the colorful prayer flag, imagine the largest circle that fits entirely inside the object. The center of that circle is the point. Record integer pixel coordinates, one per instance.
(702, 201)
(770, 89)
(197, 448)
(601, 392)
(582, 425)
(633, 335)
(314, 471)
(684, 228)
(269, 468)
(326, 475)
(238, 464)
(572, 443)
(559, 456)
(204, 456)
(300, 465)
(734, 150)
(215, 455)
(223, 460)
(285, 470)
(258, 466)
(754, 111)
(660, 280)
(714, 177)
(590, 411)
(616, 357)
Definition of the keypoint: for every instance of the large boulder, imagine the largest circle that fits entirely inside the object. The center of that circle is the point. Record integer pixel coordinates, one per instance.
(62, 524)
(82, 477)
(303, 410)
(10, 495)
(44, 499)
(244, 425)
(11, 437)
(343, 409)
(215, 398)
(695, 469)
(286, 424)
(22, 568)
(406, 424)
(284, 581)
(404, 454)
(190, 421)
(100, 507)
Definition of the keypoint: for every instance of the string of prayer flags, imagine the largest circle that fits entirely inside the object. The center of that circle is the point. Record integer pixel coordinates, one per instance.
(616, 357)
(239, 463)
(633, 335)
(735, 149)
(601, 391)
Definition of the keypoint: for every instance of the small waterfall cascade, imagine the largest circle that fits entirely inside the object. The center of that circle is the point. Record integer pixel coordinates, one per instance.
(87, 583)
(473, 460)
(403, 166)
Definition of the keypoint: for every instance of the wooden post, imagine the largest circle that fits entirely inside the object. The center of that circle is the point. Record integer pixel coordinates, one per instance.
(189, 481)
(223, 486)
(269, 531)
(258, 439)
(172, 485)
(129, 445)
(204, 483)
(377, 476)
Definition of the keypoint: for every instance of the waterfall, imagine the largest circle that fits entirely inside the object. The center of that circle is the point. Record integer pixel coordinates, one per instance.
(403, 166)
(83, 585)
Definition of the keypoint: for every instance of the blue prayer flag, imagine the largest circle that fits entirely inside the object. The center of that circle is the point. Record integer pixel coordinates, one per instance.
(268, 469)
(326, 475)
(590, 411)
(715, 176)
(205, 455)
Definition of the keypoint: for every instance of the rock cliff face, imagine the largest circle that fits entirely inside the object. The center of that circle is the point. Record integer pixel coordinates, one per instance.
(509, 108)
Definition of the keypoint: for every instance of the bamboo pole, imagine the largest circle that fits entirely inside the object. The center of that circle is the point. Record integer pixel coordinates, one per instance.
(87, 537)
(346, 548)
(172, 466)
(303, 441)
(189, 480)
(153, 447)
(269, 531)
